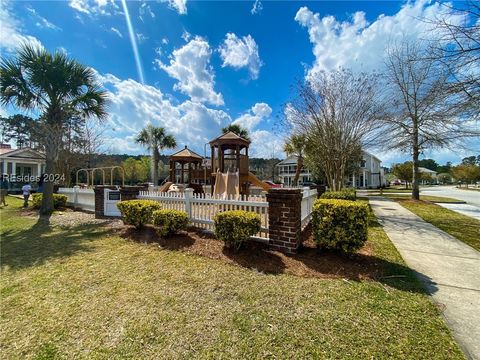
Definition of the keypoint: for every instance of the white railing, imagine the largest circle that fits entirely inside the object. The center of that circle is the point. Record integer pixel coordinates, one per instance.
(79, 198)
(202, 208)
(309, 197)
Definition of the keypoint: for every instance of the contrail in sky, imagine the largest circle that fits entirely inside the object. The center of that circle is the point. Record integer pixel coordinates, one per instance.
(133, 41)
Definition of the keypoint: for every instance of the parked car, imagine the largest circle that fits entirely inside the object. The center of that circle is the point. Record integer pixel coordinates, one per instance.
(272, 184)
(308, 183)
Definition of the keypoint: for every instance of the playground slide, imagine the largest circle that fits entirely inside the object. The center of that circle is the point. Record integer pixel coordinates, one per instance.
(257, 182)
(165, 187)
(226, 184)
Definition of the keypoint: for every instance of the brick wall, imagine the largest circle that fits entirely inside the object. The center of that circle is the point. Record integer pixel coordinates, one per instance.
(284, 219)
(99, 191)
(131, 192)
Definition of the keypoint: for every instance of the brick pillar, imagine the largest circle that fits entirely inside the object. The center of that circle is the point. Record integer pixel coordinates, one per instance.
(284, 219)
(131, 192)
(99, 191)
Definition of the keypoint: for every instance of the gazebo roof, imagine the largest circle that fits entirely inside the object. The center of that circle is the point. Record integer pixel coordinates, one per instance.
(230, 138)
(186, 154)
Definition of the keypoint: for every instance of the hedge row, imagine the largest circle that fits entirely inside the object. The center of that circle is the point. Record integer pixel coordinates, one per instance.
(59, 201)
(345, 194)
(141, 212)
(340, 225)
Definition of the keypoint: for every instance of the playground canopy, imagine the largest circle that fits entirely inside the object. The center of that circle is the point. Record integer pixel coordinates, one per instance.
(185, 157)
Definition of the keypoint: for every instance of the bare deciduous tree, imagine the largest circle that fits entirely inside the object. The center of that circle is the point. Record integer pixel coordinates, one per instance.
(458, 46)
(426, 111)
(338, 112)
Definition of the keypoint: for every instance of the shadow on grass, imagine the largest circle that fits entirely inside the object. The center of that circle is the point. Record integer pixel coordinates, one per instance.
(41, 243)
(309, 262)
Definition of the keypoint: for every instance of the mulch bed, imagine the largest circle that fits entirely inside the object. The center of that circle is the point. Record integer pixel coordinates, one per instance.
(309, 262)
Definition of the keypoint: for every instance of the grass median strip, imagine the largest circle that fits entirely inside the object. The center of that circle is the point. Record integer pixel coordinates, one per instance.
(439, 199)
(464, 228)
(83, 291)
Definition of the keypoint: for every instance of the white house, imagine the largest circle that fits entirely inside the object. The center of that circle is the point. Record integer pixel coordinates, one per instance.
(23, 162)
(370, 174)
(287, 169)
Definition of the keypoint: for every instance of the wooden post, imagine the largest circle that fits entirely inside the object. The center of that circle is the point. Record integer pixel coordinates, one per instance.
(182, 176)
(238, 158)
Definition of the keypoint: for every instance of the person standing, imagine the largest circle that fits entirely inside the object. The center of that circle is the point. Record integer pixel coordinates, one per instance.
(4, 189)
(27, 189)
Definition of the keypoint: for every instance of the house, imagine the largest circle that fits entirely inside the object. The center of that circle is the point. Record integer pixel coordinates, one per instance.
(287, 169)
(428, 176)
(21, 165)
(369, 175)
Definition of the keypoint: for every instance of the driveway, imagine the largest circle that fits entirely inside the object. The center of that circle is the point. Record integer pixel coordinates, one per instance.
(472, 199)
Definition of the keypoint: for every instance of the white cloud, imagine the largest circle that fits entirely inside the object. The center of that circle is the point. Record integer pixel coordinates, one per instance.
(94, 7)
(257, 7)
(141, 38)
(190, 65)
(165, 41)
(116, 31)
(41, 22)
(179, 5)
(145, 9)
(133, 105)
(11, 34)
(360, 45)
(241, 52)
(254, 116)
(266, 145)
(186, 35)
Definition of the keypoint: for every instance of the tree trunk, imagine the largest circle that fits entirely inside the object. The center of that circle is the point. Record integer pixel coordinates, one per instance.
(155, 160)
(415, 177)
(298, 171)
(46, 208)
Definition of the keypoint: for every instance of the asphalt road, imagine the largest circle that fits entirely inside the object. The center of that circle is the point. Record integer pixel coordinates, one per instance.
(470, 197)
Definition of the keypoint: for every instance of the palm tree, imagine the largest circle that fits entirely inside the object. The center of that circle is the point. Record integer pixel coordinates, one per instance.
(155, 139)
(237, 129)
(295, 145)
(55, 86)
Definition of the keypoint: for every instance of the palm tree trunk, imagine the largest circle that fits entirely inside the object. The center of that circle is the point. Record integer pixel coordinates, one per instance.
(155, 160)
(298, 170)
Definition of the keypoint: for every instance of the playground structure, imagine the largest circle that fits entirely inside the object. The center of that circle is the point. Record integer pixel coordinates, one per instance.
(90, 172)
(227, 171)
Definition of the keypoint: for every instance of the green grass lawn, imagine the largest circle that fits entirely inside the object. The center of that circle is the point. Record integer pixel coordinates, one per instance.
(439, 199)
(464, 228)
(82, 292)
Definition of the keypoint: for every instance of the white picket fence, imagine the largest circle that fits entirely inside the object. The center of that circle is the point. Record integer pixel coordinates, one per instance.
(309, 197)
(79, 198)
(202, 208)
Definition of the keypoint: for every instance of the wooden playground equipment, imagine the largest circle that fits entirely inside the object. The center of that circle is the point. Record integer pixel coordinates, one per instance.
(229, 158)
(90, 172)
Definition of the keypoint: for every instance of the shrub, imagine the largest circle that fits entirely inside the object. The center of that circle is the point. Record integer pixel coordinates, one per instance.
(236, 226)
(340, 225)
(59, 200)
(169, 222)
(138, 212)
(345, 194)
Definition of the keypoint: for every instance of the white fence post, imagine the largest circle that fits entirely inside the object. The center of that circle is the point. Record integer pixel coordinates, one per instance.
(188, 202)
(75, 196)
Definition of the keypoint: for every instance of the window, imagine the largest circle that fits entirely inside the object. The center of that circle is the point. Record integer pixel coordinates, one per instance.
(363, 163)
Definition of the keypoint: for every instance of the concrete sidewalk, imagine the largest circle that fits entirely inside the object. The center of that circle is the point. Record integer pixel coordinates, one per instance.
(448, 268)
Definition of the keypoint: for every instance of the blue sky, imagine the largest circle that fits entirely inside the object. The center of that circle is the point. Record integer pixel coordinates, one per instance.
(202, 64)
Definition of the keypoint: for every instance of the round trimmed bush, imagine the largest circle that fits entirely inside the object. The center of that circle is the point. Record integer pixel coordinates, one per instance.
(138, 212)
(340, 225)
(234, 227)
(169, 222)
(59, 200)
